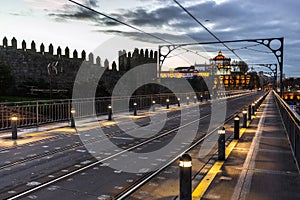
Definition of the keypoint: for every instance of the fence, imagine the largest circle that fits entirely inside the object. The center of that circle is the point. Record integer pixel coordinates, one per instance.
(291, 122)
(34, 113)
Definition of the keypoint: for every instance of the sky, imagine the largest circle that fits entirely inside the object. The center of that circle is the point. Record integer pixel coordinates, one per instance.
(64, 23)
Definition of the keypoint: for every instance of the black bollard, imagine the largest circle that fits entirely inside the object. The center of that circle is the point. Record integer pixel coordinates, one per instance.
(253, 109)
(168, 103)
(14, 131)
(153, 106)
(185, 176)
(221, 144)
(201, 98)
(244, 119)
(178, 102)
(249, 112)
(236, 127)
(187, 100)
(135, 109)
(109, 112)
(195, 99)
(73, 111)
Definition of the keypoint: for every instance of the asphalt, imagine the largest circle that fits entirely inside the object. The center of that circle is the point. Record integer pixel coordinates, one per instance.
(261, 165)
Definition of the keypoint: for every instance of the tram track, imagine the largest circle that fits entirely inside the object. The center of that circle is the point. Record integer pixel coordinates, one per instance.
(118, 154)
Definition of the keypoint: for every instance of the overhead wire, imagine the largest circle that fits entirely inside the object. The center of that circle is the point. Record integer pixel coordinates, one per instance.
(130, 26)
(211, 33)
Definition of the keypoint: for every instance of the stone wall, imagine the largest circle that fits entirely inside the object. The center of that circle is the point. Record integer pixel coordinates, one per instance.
(34, 67)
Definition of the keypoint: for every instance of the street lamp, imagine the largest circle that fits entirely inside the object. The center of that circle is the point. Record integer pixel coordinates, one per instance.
(178, 102)
(221, 144)
(236, 127)
(73, 111)
(135, 109)
(153, 105)
(244, 118)
(168, 101)
(14, 131)
(109, 112)
(185, 176)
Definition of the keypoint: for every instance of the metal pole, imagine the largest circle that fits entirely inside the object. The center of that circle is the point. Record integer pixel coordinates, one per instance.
(72, 118)
(236, 127)
(153, 106)
(14, 131)
(187, 100)
(249, 112)
(109, 113)
(168, 105)
(253, 109)
(244, 118)
(185, 171)
(221, 144)
(135, 109)
(178, 102)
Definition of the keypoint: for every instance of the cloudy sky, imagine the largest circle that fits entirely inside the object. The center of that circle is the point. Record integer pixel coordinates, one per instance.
(63, 23)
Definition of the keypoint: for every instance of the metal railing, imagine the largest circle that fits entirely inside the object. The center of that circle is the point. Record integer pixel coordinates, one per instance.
(291, 122)
(34, 113)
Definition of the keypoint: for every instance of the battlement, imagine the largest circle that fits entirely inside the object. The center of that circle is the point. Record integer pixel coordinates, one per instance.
(30, 66)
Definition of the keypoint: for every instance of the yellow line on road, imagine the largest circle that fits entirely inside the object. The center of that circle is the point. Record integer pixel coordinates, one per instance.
(211, 174)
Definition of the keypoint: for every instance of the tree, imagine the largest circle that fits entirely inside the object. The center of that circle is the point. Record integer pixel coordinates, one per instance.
(7, 80)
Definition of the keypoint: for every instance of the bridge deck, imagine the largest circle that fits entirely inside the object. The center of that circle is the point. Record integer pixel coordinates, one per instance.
(261, 166)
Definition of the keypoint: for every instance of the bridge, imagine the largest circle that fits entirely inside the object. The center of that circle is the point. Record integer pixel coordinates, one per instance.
(103, 152)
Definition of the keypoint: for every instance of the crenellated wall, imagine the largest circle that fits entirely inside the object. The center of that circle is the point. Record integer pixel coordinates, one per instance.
(33, 66)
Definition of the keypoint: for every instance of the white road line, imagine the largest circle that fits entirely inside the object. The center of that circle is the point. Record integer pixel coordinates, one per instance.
(243, 185)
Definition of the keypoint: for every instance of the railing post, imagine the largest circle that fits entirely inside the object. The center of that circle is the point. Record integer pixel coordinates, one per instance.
(37, 113)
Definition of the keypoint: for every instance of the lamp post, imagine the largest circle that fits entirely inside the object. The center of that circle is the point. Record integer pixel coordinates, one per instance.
(236, 127)
(135, 109)
(221, 144)
(185, 173)
(249, 112)
(153, 106)
(73, 111)
(187, 100)
(178, 102)
(253, 109)
(244, 118)
(109, 112)
(14, 131)
(201, 98)
(195, 99)
(168, 103)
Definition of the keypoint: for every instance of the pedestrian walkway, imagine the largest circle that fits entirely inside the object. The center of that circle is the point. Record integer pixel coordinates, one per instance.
(261, 165)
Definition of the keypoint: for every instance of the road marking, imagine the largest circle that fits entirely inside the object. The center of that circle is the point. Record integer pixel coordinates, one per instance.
(211, 174)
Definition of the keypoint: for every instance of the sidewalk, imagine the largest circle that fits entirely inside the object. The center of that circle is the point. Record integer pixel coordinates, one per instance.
(261, 166)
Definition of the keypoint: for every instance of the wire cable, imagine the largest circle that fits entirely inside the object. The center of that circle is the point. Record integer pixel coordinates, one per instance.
(130, 26)
(211, 33)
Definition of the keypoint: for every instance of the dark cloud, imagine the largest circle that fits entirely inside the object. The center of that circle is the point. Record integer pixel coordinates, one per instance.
(73, 12)
(229, 21)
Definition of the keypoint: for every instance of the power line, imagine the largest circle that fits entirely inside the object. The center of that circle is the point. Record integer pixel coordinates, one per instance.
(211, 33)
(128, 25)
